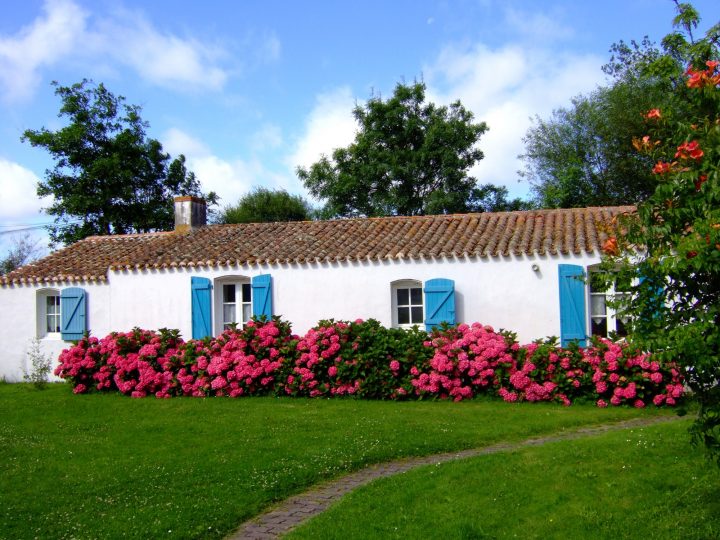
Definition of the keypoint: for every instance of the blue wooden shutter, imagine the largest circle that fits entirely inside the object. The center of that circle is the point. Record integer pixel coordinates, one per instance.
(73, 313)
(572, 304)
(439, 302)
(262, 295)
(201, 291)
(657, 299)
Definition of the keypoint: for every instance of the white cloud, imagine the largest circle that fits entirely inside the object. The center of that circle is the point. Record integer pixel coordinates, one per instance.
(162, 58)
(49, 38)
(329, 125)
(229, 178)
(176, 141)
(506, 87)
(66, 31)
(540, 27)
(270, 47)
(18, 203)
(269, 137)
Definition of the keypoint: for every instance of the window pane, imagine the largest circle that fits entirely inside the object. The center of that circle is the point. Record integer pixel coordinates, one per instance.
(620, 329)
(229, 313)
(597, 305)
(622, 285)
(246, 292)
(229, 293)
(403, 297)
(52, 313)
(51, 323)
(247, 312)
(599, 327)
(595, 286)
(417, 315)
(404, 315)
(416, 296)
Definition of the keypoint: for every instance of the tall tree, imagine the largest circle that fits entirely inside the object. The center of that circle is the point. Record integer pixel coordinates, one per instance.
(409, 157)
(109, 176)
(583, 155)
(671, 248)
(263, 205)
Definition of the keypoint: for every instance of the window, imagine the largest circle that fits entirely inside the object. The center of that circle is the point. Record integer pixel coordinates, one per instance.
(48, 313)
(236, 301)
(604, 318)
(216, 305)
(52, 314)
(408, 308)
(233, 303)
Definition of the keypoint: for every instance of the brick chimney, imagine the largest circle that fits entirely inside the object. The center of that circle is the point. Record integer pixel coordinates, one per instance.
(190, 213)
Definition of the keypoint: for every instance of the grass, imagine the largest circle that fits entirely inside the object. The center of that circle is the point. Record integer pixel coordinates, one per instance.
(107, 466)
(640, 483)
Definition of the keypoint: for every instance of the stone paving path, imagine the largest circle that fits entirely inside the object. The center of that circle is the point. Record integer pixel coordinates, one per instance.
(295, 510)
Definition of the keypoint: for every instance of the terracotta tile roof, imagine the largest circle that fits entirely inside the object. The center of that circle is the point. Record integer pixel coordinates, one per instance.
(502, 234)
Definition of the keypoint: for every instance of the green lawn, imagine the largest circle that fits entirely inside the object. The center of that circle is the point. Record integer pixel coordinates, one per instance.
(640, 483)
(109, 466)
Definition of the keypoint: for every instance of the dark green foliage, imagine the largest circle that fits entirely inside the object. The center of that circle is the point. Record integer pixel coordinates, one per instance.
(263, 205)
(409, 157)
(583, 155)
(492, 198)
(675, 307)
(109, 177)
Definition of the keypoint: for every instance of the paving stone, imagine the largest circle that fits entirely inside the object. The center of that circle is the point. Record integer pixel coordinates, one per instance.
(296, 510)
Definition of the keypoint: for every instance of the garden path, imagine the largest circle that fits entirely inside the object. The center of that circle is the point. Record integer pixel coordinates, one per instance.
(299, 508)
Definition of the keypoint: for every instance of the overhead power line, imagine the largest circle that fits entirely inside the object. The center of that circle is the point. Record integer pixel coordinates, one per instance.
(12, 231)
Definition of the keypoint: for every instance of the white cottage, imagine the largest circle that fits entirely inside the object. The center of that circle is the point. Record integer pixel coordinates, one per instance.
(513, 270)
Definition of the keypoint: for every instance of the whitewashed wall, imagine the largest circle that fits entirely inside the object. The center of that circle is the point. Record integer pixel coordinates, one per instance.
(502, 292)
(18, 324)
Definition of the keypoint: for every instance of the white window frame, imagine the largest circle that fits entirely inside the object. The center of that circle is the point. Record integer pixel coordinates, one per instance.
(406, 284)
(219, 303)
(41, 313)
(611, 314)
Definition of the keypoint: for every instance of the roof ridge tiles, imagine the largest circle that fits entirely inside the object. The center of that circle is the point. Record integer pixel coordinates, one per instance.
(494, 234)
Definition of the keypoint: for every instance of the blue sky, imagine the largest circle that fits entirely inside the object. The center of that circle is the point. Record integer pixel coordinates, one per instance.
(250, 90)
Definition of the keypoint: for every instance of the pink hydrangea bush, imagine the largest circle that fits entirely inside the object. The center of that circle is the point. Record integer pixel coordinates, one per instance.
(547, 372)
(474, 360)
(247, 361)
(622, 375)
(466, 361)
(366, 360)
(85, 366)
(358, 358)
(319, 367)
(138, 360)
(130, 362)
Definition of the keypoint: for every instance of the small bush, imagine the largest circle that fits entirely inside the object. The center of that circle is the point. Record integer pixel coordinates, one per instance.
(40, 366)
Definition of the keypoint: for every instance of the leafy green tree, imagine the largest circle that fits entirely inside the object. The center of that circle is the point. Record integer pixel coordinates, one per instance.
(109, 177)
(583, 155)
(263, 205)
(23, 250)
(671, 247)
(492, 198)
(409, 157)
